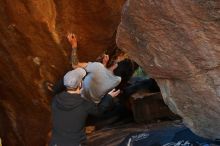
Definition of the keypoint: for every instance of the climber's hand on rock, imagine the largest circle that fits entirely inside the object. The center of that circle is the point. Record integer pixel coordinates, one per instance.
(72, 40)
(114, 93)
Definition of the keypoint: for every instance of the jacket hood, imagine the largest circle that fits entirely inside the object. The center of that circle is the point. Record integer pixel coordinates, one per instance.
(67, 101)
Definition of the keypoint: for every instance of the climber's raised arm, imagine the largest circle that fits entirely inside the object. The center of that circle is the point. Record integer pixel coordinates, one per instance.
(74, 56)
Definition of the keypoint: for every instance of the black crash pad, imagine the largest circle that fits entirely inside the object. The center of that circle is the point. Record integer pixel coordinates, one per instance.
(168, 136)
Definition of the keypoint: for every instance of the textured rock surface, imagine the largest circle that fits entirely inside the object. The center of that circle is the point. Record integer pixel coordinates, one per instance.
(150, 107)
(178, 43)
(33, 50)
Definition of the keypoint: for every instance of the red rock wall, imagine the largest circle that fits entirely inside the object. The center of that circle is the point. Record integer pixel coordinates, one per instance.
(178, 43)
(33, 50)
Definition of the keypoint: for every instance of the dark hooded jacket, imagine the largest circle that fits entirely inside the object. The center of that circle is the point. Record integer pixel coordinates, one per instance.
(69, 113)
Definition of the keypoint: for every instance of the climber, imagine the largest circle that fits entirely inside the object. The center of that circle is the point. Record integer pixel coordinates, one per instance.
(70, 110)
(99, 80)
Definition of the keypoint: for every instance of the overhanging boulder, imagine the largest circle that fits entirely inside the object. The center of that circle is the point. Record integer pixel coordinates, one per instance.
(178, 44)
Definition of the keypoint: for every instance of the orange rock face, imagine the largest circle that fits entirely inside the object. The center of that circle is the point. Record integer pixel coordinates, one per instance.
(178, 44)
(34, 50)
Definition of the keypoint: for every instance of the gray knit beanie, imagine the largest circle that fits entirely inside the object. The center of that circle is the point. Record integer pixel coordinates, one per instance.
(73, 78)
